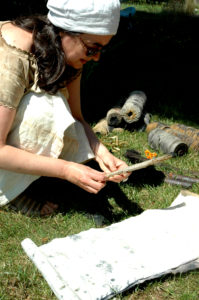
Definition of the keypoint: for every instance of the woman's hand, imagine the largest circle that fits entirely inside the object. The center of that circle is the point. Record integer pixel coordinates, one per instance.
(109, 163)
(85, 177)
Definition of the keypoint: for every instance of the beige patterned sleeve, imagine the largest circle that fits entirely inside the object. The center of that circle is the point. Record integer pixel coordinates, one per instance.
(13, 79)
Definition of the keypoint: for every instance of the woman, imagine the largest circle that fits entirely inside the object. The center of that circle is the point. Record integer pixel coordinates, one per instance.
(42, 130)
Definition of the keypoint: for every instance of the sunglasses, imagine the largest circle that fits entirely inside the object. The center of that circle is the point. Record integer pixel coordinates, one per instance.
(90, 51)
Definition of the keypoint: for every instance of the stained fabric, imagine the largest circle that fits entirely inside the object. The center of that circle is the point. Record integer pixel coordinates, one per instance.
(102, 262)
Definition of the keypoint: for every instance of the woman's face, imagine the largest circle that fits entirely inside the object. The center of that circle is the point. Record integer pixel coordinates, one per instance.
(82, 48)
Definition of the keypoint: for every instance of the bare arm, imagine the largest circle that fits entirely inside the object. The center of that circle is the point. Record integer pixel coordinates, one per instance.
(75, 105)
(21, 161)
(107, 161)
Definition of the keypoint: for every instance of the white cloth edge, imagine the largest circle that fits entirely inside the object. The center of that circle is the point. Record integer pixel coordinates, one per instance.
(34, 253)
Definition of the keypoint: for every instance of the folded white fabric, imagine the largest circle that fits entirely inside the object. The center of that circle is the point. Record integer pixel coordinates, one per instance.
(101, 262)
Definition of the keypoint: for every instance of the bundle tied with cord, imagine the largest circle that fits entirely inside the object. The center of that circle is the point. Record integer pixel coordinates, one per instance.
(114, 117)
(129, 114)
(133, 107)
(159, 139)
(187, 134)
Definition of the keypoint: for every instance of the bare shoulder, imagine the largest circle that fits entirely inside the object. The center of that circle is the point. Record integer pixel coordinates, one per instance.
(17, 37)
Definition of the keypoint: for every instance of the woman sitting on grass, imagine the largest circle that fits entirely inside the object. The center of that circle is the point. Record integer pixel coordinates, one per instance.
(42, 130)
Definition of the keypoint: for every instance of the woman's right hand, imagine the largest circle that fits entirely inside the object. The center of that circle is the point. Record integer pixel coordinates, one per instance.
(85, 177)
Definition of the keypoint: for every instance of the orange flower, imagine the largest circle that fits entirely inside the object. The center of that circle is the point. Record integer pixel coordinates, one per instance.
(150, 155)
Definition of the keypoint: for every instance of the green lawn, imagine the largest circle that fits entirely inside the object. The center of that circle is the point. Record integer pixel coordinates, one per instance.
(19, 277)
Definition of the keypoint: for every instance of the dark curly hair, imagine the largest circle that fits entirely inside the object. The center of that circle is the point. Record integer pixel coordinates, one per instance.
(54, 73)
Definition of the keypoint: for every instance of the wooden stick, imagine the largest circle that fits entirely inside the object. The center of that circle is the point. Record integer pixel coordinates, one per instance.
(141, 165)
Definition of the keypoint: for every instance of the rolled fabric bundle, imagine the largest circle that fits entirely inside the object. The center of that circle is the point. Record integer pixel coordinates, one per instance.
(188, 130)
(147, 118)
(114, 117)
(154, 125)
(183, 137)
(101, 127)
(195, 145)
(191, 134)
(159, 139)
(188, 135)
(133, 106)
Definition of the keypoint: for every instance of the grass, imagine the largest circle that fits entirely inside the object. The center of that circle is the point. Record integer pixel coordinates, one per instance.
(19, 279)
(158, 56)
(160, 6)
(154, 8)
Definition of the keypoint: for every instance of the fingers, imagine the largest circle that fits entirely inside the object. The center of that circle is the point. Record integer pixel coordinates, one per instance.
(86, 178)
(93, 182)
(117, 178)
(91, 189)
(90, 186)
(120, 165)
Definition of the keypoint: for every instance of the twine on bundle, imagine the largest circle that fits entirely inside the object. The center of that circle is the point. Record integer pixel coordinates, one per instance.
(133, 107)
(187, 134)
(114, 117)
(129, 116)
(101, 127)
(159, 139)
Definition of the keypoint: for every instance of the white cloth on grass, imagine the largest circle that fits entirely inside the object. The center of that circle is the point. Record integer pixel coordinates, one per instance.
(101, 262)
(45, 126)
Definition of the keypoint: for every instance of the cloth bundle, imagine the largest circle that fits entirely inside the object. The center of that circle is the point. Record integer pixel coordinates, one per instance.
(176, 138)
(166, 142)
(130, 115)
(101, 262)
(133, 107)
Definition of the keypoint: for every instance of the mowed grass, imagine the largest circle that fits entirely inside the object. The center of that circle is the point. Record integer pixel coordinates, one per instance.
(150, 194)
(19, 278)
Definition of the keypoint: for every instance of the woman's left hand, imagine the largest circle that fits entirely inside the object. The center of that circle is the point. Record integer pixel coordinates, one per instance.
(109, 163)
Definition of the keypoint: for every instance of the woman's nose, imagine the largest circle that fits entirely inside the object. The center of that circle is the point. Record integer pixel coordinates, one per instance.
(96, 57)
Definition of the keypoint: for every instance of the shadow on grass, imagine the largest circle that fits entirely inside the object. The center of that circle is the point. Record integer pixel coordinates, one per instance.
(161, 281)
(148, 176)
(70, 197)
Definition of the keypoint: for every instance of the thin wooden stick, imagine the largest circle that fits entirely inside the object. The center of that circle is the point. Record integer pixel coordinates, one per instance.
(141, 165)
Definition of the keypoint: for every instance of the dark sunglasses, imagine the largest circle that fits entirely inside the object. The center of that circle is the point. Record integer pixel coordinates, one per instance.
(90, 51)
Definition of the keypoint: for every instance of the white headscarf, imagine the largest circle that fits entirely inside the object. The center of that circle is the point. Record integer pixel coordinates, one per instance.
(99, 17)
